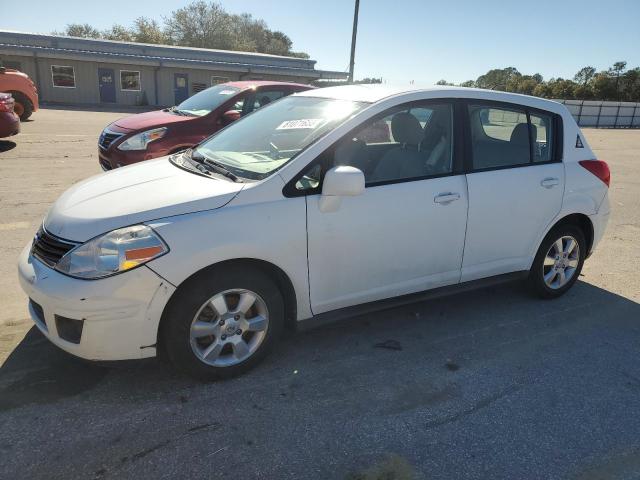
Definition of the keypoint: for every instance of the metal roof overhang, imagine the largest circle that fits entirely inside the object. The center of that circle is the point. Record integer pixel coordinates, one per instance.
(157, 61)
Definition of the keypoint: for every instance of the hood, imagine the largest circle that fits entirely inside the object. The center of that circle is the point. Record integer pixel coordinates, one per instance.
(139, 193)
(144, 121)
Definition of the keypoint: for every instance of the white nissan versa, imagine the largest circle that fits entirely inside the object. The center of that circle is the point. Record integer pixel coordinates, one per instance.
(324, 204)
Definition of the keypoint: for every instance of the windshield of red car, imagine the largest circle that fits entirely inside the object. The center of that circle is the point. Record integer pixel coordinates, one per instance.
(207, 100)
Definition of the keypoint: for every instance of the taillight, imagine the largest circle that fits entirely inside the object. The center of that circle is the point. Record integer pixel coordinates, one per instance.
(599, 168)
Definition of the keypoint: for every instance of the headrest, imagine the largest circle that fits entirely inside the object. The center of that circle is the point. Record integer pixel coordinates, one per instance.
(520, 134)
(406, 129)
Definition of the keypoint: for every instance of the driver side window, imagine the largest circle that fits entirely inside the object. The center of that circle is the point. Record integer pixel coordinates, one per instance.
(407, 142)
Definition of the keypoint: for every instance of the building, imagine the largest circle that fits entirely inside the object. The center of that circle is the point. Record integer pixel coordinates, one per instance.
(88, 71)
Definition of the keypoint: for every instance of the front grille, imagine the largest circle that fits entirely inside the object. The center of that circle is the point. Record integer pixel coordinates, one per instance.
(107, 137)
(48, 248)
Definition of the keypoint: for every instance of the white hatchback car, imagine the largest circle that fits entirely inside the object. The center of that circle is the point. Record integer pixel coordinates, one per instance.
(324, 204)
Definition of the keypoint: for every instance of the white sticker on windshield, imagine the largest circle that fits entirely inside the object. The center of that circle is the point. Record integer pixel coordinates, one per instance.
(302, 123)
(227, 92)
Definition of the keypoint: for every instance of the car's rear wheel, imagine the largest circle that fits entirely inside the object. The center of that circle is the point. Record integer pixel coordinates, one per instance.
(23, 106)
(222, 322)
(558, 262)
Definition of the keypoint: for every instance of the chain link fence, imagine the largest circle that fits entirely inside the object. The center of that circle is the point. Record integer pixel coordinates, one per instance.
(601, 114)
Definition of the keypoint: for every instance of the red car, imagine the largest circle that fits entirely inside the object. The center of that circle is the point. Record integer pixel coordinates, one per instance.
(162, 132)
(9, 121)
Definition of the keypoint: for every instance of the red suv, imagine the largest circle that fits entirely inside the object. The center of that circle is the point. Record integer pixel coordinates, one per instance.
(162, 132)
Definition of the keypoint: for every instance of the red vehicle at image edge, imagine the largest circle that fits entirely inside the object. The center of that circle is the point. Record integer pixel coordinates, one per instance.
(9, 121)
(23, 90)
(162, 132)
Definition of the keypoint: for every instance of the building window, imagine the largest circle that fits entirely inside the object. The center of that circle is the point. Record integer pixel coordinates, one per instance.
(130, 80)
(217, 80)
(63, 76)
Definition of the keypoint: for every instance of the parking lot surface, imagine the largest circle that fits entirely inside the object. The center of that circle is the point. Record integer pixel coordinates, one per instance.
(488, 384)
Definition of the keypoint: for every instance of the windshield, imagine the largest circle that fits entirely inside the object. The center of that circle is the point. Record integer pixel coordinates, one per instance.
(207, 100)
(264, 141)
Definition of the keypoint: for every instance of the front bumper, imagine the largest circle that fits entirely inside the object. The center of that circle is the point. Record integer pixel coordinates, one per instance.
(120, 314)
(9, 124)
(114, 158)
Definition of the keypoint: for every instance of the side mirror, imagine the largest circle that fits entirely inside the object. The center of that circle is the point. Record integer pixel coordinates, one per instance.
(342, 181)
(230, 116)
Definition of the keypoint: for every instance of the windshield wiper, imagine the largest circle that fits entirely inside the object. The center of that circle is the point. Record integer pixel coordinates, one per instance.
(177, 111)
(213, 165)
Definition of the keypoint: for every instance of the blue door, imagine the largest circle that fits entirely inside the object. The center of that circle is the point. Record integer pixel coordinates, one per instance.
(107, 85)
(180, 87)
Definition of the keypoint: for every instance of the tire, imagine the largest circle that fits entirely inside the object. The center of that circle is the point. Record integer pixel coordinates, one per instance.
(193, 322)
(553, 275)
(23, 106)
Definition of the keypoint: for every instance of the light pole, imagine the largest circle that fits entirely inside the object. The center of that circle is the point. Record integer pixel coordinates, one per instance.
(353, 41)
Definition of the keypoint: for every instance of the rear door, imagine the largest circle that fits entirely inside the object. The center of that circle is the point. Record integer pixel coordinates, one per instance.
(516, 185)
(106, 85)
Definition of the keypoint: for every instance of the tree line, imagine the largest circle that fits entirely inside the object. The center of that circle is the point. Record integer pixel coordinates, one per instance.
(616, 84)
(199, 24)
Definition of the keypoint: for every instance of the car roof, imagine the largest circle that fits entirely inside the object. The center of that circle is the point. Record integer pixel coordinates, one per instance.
(376, 93)
(246, 84)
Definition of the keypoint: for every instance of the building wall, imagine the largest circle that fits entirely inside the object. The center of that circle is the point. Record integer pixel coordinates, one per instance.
(87, 91)
(86, 88)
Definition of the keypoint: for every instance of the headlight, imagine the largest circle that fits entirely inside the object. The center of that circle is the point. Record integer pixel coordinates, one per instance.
(113, 252)
(141, 140)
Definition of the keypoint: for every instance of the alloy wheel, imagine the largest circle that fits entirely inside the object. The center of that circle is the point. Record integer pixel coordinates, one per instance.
(561, 262)
(229, 327)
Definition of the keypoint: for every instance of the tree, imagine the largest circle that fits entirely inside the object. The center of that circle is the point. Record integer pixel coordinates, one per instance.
(118, 32)
(561, 88)
(616, 71)
(468, 84)
(603, 86)
(81, 30)
(147, 30)
(543, 90)
(443, 82)
(631, 85)
(584, 75)
(368, 80)
(200, 24)
(497, 79)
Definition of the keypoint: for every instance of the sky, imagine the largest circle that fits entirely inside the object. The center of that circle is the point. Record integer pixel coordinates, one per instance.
(403, 41)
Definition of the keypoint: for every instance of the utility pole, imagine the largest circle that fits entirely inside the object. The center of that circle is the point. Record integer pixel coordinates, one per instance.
(353, 41)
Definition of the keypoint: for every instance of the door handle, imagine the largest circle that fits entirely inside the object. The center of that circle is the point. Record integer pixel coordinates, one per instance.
(549, 182)
(445, 198)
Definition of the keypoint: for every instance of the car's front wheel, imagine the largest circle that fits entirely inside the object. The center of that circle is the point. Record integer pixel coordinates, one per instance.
(222, 322)
(558, 262)
(23, 106)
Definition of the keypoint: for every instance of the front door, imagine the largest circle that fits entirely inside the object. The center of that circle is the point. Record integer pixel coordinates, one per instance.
(180, 87)
(405, 233)
(107, 85)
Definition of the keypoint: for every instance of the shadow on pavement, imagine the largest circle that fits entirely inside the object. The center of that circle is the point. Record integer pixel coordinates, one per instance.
(6, 145)
(38, 372)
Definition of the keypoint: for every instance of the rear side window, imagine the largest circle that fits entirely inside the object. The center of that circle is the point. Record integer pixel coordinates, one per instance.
(509, 136)
(499, 137)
